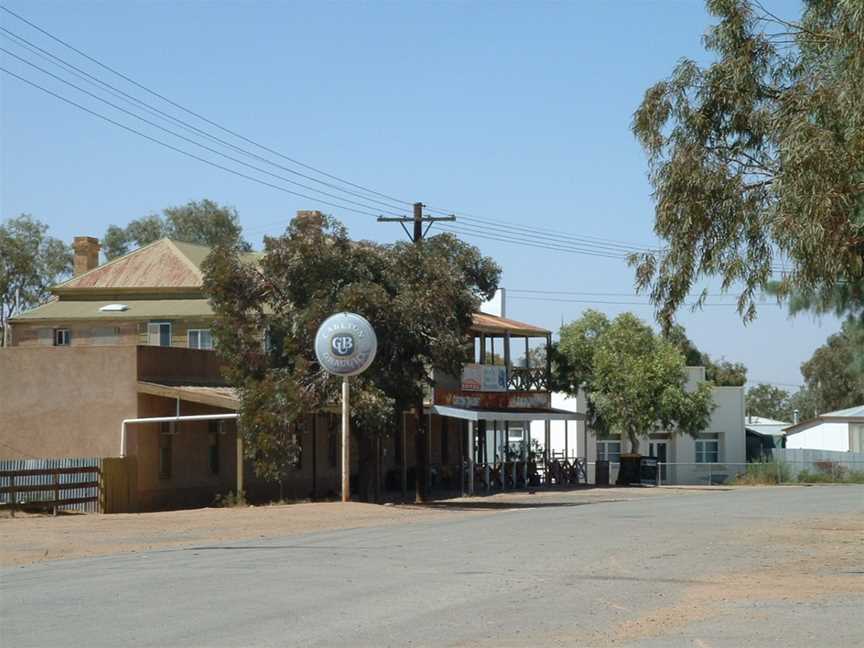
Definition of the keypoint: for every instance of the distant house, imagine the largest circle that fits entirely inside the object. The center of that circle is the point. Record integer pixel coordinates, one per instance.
(763, 436)
(842, 430)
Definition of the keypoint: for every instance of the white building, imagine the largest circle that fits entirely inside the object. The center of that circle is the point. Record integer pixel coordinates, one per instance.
(841, 431)
(691, 460)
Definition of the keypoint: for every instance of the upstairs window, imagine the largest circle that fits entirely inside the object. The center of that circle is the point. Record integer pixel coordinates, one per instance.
(61, 337)
(200, 339)
(159, 333)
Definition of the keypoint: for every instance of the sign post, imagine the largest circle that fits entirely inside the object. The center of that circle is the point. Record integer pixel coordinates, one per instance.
(345, 345)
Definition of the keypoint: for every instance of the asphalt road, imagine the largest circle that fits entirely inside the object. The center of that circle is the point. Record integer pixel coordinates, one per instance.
(565, 573)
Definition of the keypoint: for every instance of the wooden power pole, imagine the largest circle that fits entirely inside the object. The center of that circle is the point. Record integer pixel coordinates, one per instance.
(421, 438)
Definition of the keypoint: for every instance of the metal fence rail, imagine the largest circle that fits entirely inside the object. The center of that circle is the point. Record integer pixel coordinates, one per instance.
(65, 484)
(769, 472)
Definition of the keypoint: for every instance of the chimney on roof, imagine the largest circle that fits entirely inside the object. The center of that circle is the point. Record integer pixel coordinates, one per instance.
(86, 254)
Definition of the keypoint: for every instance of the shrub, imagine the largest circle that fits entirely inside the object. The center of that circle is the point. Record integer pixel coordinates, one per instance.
(766, 472)
(230, 500)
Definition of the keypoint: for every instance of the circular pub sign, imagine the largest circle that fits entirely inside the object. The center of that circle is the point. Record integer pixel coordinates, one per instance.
(345, 344)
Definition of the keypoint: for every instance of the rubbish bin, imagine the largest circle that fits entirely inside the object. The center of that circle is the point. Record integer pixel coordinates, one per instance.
(648, 471)
(601, 473)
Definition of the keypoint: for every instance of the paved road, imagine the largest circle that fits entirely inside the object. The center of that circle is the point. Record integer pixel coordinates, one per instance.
(614, 573)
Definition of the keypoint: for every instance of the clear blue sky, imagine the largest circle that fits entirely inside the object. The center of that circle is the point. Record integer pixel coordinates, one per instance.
(510, 111)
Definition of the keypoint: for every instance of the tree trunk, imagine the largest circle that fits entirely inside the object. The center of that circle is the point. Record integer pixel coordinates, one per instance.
(634, 443)
(422, 470)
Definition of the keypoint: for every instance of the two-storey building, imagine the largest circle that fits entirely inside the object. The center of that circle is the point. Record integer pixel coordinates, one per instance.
(130, 340)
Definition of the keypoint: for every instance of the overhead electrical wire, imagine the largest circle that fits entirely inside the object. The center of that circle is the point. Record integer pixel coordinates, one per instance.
(196, 114)
(491, 229)
(174, 148)
(183, 124)
(623, 303)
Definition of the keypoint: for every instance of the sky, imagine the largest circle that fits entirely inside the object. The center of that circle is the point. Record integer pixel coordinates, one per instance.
(514, 112)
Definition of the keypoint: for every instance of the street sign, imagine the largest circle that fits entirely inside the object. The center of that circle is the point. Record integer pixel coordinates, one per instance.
(345, 344)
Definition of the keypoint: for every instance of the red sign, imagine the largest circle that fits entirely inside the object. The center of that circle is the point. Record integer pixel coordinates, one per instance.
(492, 400)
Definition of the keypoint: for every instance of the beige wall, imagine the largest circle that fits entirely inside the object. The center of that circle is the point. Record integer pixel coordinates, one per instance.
(92, 333)
(65, 402)
(191, 482)
(80, 333)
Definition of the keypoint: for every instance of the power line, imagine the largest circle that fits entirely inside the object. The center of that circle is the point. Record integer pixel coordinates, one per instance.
(178, 150)
(596, 294)
(462, 229)
(189, 127)
(623, 303)
(195, 114)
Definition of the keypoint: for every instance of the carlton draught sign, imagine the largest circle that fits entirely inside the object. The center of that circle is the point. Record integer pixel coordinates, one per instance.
(345, 345)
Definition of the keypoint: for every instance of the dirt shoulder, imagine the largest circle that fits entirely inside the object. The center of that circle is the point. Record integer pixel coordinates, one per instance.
(29, 539)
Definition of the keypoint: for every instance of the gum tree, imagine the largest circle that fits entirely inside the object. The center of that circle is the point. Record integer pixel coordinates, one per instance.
(757, 160)
(419, 298)
(634, 379)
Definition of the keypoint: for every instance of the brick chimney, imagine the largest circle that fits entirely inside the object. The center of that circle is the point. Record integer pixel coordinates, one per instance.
(86, 254)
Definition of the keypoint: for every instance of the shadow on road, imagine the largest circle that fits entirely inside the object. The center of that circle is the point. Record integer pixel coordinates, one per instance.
(500, 506)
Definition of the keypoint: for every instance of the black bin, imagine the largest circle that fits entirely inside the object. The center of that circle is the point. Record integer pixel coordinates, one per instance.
(648, 471)
(601, 473)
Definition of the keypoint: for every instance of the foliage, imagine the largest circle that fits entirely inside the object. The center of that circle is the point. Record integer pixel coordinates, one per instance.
(831, 376)
(419, 298)
(764, 473)
(230, 500)
(831, 475)
(203, 222)
(757, 160)
(768, 401)
(31, 262)
(634, 379)
(723, 373)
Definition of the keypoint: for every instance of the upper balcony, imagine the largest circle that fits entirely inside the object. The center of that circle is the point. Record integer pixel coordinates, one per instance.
(509, 356)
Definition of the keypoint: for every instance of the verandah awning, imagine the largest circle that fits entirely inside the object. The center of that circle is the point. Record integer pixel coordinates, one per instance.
(483, 414)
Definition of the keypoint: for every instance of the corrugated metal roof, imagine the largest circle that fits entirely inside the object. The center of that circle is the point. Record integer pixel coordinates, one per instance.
(138, 309)
(162, 264)
(485, 323)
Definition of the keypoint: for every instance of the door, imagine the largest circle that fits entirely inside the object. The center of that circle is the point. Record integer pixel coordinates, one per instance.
(658, 449)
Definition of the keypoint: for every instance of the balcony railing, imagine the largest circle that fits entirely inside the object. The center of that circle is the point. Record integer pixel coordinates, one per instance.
(528, 379)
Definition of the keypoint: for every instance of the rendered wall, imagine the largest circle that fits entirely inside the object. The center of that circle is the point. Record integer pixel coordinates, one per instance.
(65, 402)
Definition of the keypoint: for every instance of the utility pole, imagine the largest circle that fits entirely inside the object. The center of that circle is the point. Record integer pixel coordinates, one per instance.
(418, 219)
(421, 434)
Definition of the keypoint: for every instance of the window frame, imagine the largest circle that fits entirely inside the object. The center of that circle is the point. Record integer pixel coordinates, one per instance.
(605, 443)
(702, 452)
(64, 334)
(198, 332)
(160, 324)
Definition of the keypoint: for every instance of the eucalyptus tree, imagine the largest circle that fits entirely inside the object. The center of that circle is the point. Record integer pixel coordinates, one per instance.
(633, 379)
(757, 160)
(419, 298)
(30, 263)
(199, 221)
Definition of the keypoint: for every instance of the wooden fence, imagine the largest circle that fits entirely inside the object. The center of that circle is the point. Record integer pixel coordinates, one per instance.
(87, 484)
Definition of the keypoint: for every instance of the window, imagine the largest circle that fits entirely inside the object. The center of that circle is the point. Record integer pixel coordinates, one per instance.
(200, 339)
(166, 441)
(609, 451)
(159, 333)
(61, 337)
(707, 451)
(213, 434)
